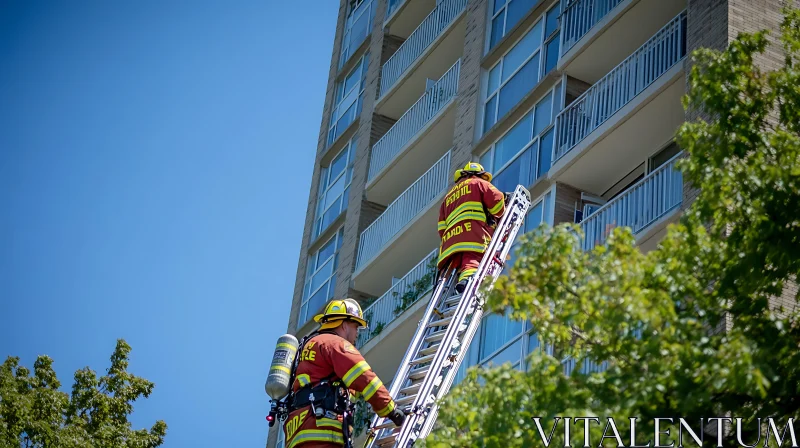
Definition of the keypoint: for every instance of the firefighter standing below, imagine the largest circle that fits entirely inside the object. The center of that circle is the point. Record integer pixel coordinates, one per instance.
(466, 219)
(329, 365)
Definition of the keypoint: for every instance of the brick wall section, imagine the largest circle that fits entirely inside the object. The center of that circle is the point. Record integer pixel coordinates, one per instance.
(566, 199)
(469, 83)
(707, 22)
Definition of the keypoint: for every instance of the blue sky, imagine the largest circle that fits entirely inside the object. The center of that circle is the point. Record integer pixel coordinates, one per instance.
(155, 163)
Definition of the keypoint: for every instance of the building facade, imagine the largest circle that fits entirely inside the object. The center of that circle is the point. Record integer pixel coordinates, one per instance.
(578, 100)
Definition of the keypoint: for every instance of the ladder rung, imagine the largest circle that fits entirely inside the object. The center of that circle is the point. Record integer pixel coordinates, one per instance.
(419, 373)
(441, 322)
(386, 441)
(411, 390)
(452, 299)
(423, 359)
(429, 350)
(436, 336)
(384, 425)
(405, 400)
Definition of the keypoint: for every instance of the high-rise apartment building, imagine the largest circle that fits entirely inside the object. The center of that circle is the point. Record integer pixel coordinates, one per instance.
(578, 100)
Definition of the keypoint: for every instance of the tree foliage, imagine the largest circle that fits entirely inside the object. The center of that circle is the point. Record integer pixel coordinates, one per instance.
(34, 412)
(688, 329)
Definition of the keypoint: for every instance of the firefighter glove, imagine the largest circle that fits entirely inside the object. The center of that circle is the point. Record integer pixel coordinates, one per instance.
(397, 417)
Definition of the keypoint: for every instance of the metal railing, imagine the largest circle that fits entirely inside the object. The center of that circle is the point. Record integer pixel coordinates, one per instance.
(638, 207)
(620, 85)
(390, 8)
(400, 212)
(579, 16)
(426, 33)
(358, 27)
(384, 309)
(413, 120)
(588, 366)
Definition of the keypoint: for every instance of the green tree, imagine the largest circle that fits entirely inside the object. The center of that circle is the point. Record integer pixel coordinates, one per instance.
(35, 413)
(687, 329)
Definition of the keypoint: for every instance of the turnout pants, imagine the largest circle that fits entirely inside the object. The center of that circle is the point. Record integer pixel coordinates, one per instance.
(466, 263)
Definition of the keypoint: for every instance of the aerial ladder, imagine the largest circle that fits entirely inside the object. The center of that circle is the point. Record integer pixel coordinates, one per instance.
(443, 336)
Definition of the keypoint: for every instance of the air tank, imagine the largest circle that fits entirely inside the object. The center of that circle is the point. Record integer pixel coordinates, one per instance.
(279, 380)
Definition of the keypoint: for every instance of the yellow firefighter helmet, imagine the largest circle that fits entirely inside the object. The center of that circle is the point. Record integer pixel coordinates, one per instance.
(472, 168)
(338, 311)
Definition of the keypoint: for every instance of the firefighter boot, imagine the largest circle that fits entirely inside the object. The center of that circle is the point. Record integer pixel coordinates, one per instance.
(462, 284)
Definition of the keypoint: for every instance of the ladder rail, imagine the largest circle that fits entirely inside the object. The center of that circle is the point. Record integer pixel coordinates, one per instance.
(413, 348)
(425, 395)
(460, 329)
(474, 317)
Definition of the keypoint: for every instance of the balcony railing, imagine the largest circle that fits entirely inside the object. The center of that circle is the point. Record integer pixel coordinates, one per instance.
(588, 366)
(580, 16)
(392, 6)
(434, 100)
(358, 27)
(620, 85)
(400, 212)
(645, 202)
(398, 298)
(422, 37)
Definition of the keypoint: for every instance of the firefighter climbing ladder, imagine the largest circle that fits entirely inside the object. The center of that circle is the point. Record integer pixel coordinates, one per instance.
(443, 337)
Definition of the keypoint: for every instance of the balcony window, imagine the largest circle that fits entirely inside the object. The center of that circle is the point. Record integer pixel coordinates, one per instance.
(520, 69)
(551, 32)
(334, 187)
(357, 27)
(348, 98)
(504, 14)
(321, 276)
(523, 154)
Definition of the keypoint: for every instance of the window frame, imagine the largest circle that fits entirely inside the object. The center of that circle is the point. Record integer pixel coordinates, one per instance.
(347, 47)
(337, 237)
(487, 96)
(340, 95)
(493, 15)
(322, 192)
(556, 97)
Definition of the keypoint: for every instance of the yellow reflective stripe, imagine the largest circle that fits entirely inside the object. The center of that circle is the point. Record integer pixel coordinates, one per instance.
(462, 247)
(475, 216)
(496, 209)
(372, 387)
(355, 372)
(303, 379)
(285, 345)
(441, 225)
(470, 206)
(329, 422)
(466, 273)
(316, 435)
(385, 411)
(281, 368)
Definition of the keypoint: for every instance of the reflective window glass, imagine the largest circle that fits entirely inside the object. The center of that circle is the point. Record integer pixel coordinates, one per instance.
(543, 114)
(519, 84)
(522, 50)
(497, 331)
(546, 153)
(513, 142)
